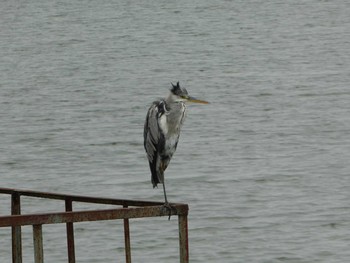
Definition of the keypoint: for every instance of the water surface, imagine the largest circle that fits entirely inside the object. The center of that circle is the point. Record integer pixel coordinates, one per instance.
(264, 167)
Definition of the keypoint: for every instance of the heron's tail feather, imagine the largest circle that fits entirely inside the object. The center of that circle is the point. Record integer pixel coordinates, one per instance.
(156, 179)
(154, 175)
(157, 173)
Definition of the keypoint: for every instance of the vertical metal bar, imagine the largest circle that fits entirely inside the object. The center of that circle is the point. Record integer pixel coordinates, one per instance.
(183, 239)
(70, 234)
(127, 239)
(38, 244)
(16, 230)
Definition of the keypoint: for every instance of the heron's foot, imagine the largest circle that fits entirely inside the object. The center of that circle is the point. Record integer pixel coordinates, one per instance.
(169, 208)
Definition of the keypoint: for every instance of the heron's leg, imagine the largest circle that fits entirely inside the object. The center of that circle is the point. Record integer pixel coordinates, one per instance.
(162, 168)
(166, 200)
(166, 204)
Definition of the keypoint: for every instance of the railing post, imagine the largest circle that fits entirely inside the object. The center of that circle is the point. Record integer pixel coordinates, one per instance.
(16, 230)
(140, 209)
(38, 244)
(183, 239)
(127, 239)
(70, 234)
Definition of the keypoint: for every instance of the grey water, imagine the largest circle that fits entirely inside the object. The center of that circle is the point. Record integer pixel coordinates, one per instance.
(264, 168)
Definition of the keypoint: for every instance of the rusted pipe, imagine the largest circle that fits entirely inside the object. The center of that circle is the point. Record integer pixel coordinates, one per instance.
(131, 209)
(38, 244)
(70, 234)
(127, 239)
(92, 215)
(183, 239)
(16, 230)
(79, 198)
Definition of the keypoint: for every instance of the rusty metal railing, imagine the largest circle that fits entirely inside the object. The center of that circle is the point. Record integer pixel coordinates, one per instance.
(128, 209)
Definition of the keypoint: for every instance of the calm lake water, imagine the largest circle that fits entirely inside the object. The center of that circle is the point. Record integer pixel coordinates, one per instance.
(264, 167)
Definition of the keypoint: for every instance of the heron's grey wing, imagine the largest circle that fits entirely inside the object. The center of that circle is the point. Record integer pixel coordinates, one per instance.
(151, 132)
(154, 139)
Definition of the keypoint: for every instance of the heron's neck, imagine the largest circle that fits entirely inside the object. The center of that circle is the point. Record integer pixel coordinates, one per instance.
(175, 114)
(171, 99)
(174, 106)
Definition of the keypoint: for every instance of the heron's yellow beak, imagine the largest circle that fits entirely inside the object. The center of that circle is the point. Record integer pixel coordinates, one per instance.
(194, 100)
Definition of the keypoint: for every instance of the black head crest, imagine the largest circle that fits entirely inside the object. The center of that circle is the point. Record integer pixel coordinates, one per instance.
(177, 90)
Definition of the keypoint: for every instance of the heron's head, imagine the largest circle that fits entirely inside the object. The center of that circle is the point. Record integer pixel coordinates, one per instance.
(178, 93)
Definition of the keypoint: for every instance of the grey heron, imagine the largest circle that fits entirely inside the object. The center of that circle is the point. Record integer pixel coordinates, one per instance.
(162, 130)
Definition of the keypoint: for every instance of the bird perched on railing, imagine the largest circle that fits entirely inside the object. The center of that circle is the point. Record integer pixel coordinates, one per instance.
(162, 130)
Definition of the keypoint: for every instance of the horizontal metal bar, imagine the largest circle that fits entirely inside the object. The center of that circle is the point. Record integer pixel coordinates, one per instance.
(93, 215)
(79, 198)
